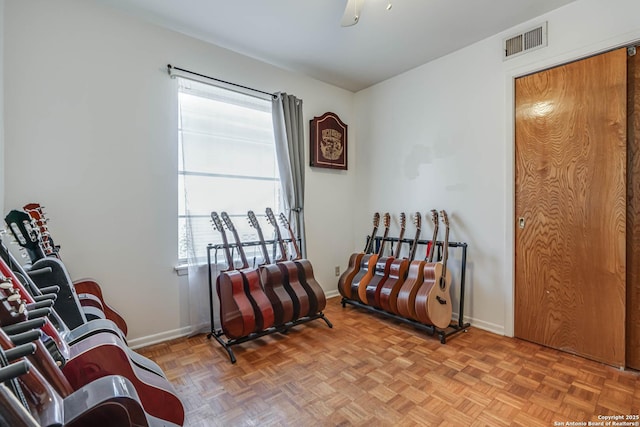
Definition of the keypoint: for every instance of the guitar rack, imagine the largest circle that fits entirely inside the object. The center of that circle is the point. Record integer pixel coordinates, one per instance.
(454, 327)
(218, 333)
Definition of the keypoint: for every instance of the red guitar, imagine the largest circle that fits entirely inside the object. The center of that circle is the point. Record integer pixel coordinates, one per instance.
(261, 304)
(272, 281)
(355, 260)
(433, 299)
(405, 303)
(382, 269)
(398, 272)
(367, 265)
(237, 316)
(289, 270)
(317, 299)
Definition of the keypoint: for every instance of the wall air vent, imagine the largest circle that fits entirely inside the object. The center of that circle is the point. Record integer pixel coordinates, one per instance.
(527, 41)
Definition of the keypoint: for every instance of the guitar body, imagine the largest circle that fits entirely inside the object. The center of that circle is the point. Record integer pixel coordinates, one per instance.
(388, 295)
(100, 355)
(380, 275)
(366, 278)
(432, 275)
(89, 289)
(236, 312)
(344, 282)
(439, 306)
(317, 299)
(259, 300)
(294, 288)
(366, 261)
(405, 302)
(277, 294)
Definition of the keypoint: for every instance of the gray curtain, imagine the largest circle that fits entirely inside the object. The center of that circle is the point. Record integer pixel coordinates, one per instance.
(288, 127)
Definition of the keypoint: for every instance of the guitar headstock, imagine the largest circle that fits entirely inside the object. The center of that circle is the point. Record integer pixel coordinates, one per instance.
(403, 220)
(387, 220)
(434, 216)
(445, 218)
(283, 220)
(22, 228)
(417, 220)
(271, 218)
(376, 219)
(227, 222)
(253, 221)
(217, 224)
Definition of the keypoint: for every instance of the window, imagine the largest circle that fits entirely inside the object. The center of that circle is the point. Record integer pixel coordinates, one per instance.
(227, 162)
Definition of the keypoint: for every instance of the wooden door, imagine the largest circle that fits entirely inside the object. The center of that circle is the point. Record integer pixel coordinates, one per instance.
(571, 207)
(633, 214)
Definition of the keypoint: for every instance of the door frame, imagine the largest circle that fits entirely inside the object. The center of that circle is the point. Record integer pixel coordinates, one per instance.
(536, 64)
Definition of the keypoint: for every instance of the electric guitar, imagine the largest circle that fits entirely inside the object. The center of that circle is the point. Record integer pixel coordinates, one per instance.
(398, 272)
(382, 269)
(237, 315)
(344, 283)
(367, 265)
(261, 304)
(433, 300)
(405, 304)
(272, 281)
(290, 277)
(317, 299)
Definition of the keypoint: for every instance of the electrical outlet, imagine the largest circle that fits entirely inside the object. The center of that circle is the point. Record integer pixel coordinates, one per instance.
(337, 270)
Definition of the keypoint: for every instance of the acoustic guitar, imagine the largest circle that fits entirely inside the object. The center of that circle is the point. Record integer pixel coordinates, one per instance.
(237, 315)
(398, 272)
(433, 299)
(317, 299)
(382, 269)
(290, 277)
(405, 304)
(252, 286)
(367, 266)
(272, 281)
(355, 260)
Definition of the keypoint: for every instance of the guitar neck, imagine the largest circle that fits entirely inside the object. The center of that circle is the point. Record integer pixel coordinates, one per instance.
(397, 253)
(294, 242)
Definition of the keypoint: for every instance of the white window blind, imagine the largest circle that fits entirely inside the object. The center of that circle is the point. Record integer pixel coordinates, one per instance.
(226, 162)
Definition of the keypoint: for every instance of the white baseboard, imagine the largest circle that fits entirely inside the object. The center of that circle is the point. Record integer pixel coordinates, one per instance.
(182, 332)
(158, 338)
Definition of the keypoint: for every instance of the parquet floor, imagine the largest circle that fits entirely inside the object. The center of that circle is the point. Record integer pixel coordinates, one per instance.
(376, 372)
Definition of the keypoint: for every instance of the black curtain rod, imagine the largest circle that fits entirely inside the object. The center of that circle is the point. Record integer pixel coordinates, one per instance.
(170, 67)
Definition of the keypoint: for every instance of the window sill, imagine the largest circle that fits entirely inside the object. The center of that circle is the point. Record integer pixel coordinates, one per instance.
(182, 270)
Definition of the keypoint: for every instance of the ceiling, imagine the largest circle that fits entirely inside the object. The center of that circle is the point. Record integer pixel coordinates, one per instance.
(306, 36)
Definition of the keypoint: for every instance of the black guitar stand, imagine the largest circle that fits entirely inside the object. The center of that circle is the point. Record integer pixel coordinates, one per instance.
(443, 334)
(218, 333)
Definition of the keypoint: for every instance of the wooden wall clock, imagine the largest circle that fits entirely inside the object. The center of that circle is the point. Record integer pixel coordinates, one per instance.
(328, 142)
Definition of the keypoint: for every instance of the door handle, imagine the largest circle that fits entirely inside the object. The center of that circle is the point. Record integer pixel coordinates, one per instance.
(521, 222)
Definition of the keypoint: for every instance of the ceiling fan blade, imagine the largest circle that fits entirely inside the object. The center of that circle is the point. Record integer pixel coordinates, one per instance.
(351, 13)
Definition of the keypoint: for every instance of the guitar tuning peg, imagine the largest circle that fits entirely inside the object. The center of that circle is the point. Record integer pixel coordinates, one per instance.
(6, 286)
(22, 308)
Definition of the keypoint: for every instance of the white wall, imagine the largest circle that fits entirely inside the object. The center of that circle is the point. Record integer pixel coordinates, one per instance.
(91, 133)
(441, 136)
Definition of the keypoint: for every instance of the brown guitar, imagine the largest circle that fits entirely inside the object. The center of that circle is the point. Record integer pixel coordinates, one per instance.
(317, 299)
(433, 300)
(236, 312)
(344, 283)
(382, 269)
(290, 278)
(367, 266)
(252, 286)
(272, 281)
(398, 272)
(405, 304)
